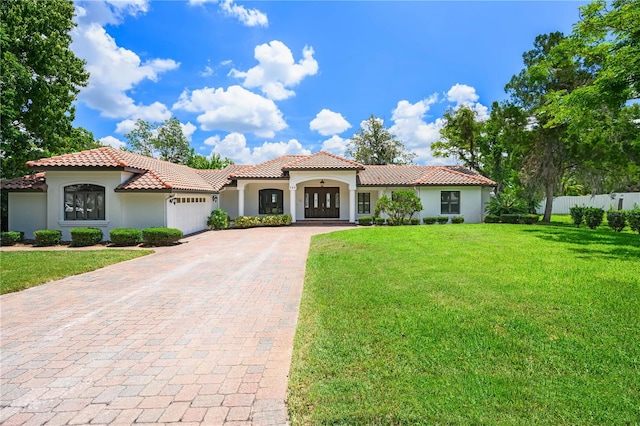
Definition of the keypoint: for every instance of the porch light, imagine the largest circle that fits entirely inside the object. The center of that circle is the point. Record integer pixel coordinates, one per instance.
(322, 182)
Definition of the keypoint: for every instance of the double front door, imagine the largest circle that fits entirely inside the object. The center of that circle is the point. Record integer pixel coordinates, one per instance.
(322, 202)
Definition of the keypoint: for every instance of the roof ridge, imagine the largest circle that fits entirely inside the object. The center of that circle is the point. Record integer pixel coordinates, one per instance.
(111, 152)
(273, 160)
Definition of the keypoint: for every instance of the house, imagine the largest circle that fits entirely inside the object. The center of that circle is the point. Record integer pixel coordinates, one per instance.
(108, 188)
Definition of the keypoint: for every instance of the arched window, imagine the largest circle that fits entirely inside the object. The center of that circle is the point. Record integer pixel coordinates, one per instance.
(270, 201)
(84, 202)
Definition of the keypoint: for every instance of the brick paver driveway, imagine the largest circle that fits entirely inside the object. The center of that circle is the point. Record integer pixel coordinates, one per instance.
(199, 333)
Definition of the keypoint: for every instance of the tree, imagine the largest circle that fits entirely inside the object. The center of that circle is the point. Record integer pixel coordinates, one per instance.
(552, 147)
(402, 204)
(460, 138)
(374, 145)
(40, 80)
(215, 162)
(164, 140)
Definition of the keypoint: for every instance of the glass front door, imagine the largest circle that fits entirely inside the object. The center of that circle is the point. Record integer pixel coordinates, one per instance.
(322, 202)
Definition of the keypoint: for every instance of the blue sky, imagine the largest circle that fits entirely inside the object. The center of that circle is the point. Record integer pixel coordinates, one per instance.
(254, 80)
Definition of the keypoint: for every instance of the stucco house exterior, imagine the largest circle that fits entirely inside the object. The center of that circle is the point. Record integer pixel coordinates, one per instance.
(108, 188)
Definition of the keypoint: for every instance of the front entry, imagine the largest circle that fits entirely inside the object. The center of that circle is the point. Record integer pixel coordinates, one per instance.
(322, 202)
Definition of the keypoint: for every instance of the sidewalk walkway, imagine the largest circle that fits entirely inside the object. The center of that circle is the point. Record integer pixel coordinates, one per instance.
(200, 333)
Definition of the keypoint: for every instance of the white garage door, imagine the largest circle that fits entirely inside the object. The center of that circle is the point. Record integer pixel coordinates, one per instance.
(189, 212)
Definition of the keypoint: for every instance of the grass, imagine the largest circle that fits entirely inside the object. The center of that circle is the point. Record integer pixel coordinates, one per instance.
(469, 324)
(23, 269)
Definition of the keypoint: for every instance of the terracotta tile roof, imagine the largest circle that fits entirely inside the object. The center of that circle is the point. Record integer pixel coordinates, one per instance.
(270, 169)
(35, 182)
(323, 160)
(420, 175)
(156, 174)
(219, 178)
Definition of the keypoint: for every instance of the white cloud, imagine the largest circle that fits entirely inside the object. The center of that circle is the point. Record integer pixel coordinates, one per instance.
(114, 70)
(335, 145)
(234, 146)
(248, 17)
(276, 71)
(328, 123)
(463, 95)
(410, 128)
(234, 110)
(188, 130)
(113, 142)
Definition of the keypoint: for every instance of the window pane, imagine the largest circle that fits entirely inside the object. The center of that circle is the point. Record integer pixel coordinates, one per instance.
(274, 198)
(306, 200)
(328, 200)
(337, 204)
(315, 200)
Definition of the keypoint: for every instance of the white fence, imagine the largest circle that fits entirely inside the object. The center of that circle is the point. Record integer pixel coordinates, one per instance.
(623, 201)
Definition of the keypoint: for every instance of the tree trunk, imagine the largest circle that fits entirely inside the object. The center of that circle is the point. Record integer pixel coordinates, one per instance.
(549, 203)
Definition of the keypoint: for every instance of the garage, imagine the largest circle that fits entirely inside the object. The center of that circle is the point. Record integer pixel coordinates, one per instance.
(188, 212)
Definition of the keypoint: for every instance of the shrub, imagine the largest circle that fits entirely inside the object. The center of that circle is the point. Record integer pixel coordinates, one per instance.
(577, 214)
(47, 237)
(123, 237)
(506, 203)
(491, 219)
(161, 236)
(402, 205)
(617, 220)
(218, 219)
(633, 217)
(406, 221)
(271, 220)
(593, 216)
(442, 220)
(10, 238)
(510, 218)
(415, 221)
(529, 218)
(285, 219)
(365, 220)
(380, 221)
(82, 237)
(243, 222)
(429, 220)
(457, 219)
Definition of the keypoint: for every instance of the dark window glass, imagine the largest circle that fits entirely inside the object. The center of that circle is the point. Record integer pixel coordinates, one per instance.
(364, 203)
(450, 202)
(84, 202)
(270, 201)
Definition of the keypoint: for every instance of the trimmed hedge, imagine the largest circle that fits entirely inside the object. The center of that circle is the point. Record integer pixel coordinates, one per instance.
(442, 219)
(380, 221)
(243, 222)
(124, 237)
(83, 237)
(365, 221)
(633, 217)
(617, 220)
(491, 219)
(457, 219)
(593, 216)
(429, 220)
(11, 237)
(415, 221)
(510, 218)
(47, 237)
(577, 214)
(161, 236)
(218, 219)
(529, 219)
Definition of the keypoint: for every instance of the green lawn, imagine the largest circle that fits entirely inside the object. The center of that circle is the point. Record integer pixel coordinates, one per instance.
(469, 324)
(24, 269)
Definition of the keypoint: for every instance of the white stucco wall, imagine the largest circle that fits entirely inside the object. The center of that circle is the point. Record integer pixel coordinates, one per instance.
(472, 199)
(228, 199)
(27, 212)
(142, 210)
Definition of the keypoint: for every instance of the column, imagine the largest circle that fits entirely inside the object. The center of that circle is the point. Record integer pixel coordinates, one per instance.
(352, 205)
(240, 200)
(292, 203)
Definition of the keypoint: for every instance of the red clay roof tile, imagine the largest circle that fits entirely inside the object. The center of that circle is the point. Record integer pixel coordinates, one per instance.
(323, 160)
(35, 182)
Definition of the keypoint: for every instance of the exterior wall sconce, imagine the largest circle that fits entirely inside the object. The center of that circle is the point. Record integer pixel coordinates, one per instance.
(172, 199)
(214, 198)
(322, 182)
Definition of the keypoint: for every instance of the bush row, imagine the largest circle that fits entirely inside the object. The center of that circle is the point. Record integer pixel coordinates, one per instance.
(616, 219)
(83, 237)
(11, 237)
(512, 218)
(243, 222)
(368, 220)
